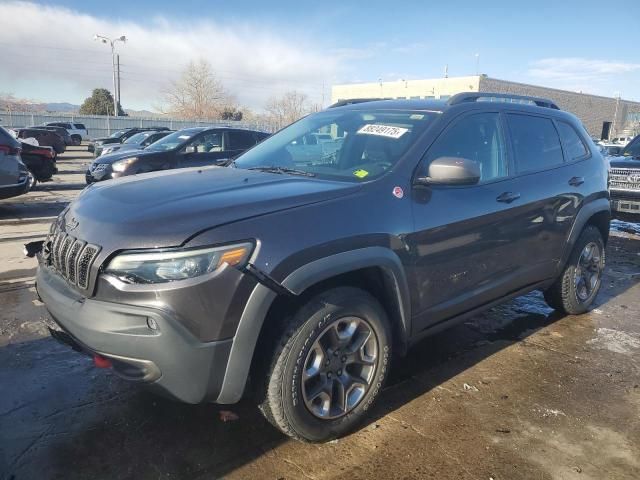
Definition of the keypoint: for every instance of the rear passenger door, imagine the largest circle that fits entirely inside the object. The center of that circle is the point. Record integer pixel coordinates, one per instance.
(545, 184)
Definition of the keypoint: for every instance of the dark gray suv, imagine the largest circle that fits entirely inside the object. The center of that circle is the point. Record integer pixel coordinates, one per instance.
(297, 270)
(14, 176)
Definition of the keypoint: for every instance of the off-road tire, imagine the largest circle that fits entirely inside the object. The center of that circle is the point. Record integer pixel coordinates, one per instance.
(77, 140)
(280, 397)
(563, 295)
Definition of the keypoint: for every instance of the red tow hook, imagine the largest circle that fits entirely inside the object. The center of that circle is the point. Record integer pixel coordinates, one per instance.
(101, 362)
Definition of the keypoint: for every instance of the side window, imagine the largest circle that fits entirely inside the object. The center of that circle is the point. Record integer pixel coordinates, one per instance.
(209, 142)
(240, 140)
(475, 137)
(80, 126)
(574, 147)
(536, 143)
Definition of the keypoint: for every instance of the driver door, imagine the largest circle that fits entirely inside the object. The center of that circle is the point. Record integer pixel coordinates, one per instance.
(465, 238)
(204, 150)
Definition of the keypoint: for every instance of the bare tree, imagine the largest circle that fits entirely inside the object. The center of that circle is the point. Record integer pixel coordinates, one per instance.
(10, 102)
(197, 94)
(288, 108)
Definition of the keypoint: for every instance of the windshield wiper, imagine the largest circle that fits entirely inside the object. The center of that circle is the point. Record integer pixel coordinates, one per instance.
(283, 170)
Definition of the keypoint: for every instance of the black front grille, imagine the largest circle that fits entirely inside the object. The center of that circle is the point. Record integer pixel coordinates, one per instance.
(72, 258)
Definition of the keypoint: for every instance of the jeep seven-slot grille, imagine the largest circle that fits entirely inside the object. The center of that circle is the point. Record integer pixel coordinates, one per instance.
(625, 179)
(72, 258)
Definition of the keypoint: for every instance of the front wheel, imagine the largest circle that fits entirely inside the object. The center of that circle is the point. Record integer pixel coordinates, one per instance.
(576, 289)
(329, 366)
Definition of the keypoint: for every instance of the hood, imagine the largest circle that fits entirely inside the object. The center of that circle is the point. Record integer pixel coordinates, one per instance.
(623, 162)
(163, 209)
(120, 154)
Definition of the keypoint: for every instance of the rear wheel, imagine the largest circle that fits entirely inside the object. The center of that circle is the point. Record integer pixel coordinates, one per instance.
(576, 289)
(77, 140)
(329, 366)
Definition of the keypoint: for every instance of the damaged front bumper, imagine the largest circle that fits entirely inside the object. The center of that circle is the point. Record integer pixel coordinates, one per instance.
(143, 343)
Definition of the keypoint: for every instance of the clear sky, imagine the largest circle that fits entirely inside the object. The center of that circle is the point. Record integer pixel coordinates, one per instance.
(261, 48)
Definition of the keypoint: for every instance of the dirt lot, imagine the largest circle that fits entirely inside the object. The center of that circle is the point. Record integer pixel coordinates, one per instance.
(518, 392)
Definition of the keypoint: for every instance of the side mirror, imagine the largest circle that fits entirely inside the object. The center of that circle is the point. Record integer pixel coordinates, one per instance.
(190, 149)
(451, 171)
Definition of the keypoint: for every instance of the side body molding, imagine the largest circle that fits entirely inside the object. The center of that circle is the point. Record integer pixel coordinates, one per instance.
(298, 281)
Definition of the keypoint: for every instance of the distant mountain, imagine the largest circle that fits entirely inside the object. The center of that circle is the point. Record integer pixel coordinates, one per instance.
(66, 107)
(60, 107)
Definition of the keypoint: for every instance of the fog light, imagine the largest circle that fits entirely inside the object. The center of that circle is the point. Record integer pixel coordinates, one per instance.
(151, 323)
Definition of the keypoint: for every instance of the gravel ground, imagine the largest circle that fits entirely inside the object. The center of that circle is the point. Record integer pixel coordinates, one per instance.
(517, 392)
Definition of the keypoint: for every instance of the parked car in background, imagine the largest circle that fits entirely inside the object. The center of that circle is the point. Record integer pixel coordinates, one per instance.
(63, 132)
(139, 141)
(15, 178)
(190, 147)
(40, 160)
(45, 138)
(610, 149)
(98, 144)
(298, 282)
(624, 180)
(621, 140)
(319, 147)
(78, 131)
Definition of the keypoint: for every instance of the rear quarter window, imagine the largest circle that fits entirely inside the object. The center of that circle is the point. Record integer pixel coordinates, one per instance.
(80, 126)
(535, 141)
(574, 147)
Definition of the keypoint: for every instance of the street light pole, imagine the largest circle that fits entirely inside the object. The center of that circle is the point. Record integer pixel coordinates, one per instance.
(116, 83)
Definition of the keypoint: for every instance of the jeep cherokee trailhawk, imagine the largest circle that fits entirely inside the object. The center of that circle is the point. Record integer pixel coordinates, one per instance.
(300, 267)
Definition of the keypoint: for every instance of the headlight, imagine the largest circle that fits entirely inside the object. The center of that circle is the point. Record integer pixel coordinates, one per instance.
(178, 264)
(121, 165)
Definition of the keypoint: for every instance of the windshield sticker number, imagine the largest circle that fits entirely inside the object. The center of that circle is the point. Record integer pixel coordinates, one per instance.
(184, 137)
(383, 130)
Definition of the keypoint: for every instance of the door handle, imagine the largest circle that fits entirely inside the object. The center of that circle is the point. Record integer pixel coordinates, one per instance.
(508, 197)
(576, 181)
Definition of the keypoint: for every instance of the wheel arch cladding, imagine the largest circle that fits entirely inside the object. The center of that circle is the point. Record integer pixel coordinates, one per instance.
(596, 213)
(377, 270)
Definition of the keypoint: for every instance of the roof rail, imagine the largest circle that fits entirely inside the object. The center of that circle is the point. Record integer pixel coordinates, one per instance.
(353, 101)
(475, 96)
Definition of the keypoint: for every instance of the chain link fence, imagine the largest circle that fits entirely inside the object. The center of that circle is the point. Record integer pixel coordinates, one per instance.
(103, 126)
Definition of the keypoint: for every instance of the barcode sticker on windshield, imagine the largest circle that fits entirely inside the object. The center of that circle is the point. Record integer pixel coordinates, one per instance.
(383, 130)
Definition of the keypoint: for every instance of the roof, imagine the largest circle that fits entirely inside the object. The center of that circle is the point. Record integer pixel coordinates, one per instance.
(400, 104)
(515, 102)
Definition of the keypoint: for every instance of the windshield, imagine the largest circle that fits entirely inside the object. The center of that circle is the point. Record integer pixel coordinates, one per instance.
(138, 137)
(351, 145)
(632, 149)
(174, 140)
(117, 134)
